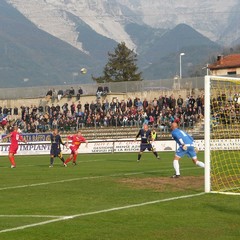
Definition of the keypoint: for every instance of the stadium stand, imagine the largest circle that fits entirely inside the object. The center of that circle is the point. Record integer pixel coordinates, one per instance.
(100, 117)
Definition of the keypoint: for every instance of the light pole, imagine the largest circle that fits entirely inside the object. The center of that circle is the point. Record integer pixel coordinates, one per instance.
(180, 62)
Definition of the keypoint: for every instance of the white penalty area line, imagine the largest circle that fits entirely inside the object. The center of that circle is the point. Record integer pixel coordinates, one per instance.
(85, 178)
(99, 212)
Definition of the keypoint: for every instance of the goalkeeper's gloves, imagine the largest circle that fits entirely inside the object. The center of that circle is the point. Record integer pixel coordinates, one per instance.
(184, 147)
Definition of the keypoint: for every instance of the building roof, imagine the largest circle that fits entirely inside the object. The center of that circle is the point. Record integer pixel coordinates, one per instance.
(230, 61)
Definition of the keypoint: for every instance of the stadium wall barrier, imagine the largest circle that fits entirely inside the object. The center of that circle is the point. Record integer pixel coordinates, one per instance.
(111, 146)
(98, 146)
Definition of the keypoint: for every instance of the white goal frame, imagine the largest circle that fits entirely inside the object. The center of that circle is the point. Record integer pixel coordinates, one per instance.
(207, 130)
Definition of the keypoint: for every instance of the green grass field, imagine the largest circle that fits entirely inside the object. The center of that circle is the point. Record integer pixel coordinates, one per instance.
(111, 196)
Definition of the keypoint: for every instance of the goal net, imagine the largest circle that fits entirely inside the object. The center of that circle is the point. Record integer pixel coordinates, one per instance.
(222, 134)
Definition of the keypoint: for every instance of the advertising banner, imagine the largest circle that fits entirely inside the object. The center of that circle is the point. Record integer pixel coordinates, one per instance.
(108, 146)
(220, 144)
(111, 146)
(134, 146)
(97, 147)
(33, 137)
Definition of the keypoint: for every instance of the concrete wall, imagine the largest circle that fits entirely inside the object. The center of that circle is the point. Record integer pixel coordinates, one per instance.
(126, 87)
(149, 95)
(224, 72)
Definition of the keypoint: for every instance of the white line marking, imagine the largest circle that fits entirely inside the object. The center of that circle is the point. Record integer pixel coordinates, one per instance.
(85, 178)
(100, 211)
(48, 183)
(20, 166)
(58, 164)
(98, 160)
(30, 216)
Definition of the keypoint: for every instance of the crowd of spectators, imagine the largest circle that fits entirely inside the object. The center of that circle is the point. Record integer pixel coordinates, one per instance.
(102, 91)
(225, 109)
(68, 93)
(52, 94)
(159, 112)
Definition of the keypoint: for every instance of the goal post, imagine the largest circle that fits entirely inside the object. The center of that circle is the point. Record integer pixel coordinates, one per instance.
(222, 134)
(207, 115)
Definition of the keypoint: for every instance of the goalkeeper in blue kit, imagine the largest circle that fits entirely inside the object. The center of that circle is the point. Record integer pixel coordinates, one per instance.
(186, 147)
(146, 138)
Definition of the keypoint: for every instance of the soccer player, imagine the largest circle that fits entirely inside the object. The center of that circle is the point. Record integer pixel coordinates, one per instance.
(15, 137)
(186, 147)
(77, 139)
(55, 151)
(146, 138)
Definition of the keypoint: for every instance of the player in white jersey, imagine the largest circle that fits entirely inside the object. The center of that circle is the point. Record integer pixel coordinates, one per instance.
(186, 147)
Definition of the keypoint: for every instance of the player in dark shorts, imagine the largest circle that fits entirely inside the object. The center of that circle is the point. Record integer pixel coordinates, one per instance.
(56, 151)
(146, 138)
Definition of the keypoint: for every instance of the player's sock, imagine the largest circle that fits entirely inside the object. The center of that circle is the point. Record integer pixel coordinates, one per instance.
(51, 160)
(139, 156)
(12, 161)
(68, 160)
(176, 167)
(62, 159)
(200, 164)
(156, 154)
(74, 159)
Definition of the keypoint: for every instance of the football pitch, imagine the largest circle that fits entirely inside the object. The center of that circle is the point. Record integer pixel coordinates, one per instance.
(111, 196)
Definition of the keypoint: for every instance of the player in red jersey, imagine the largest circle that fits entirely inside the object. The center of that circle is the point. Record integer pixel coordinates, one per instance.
(15, 137)
(77, 139)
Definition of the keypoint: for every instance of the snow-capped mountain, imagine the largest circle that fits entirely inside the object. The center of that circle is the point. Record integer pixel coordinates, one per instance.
(216, 19)
(48, 41)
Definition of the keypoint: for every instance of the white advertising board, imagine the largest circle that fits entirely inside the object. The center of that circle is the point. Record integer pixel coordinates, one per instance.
(110, 146)
(134, 146)
(220, 144)
(97, 147)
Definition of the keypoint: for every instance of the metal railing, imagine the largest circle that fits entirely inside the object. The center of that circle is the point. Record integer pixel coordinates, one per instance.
(133, 86)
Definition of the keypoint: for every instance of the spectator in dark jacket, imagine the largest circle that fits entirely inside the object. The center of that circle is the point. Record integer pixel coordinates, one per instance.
(60, 94)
